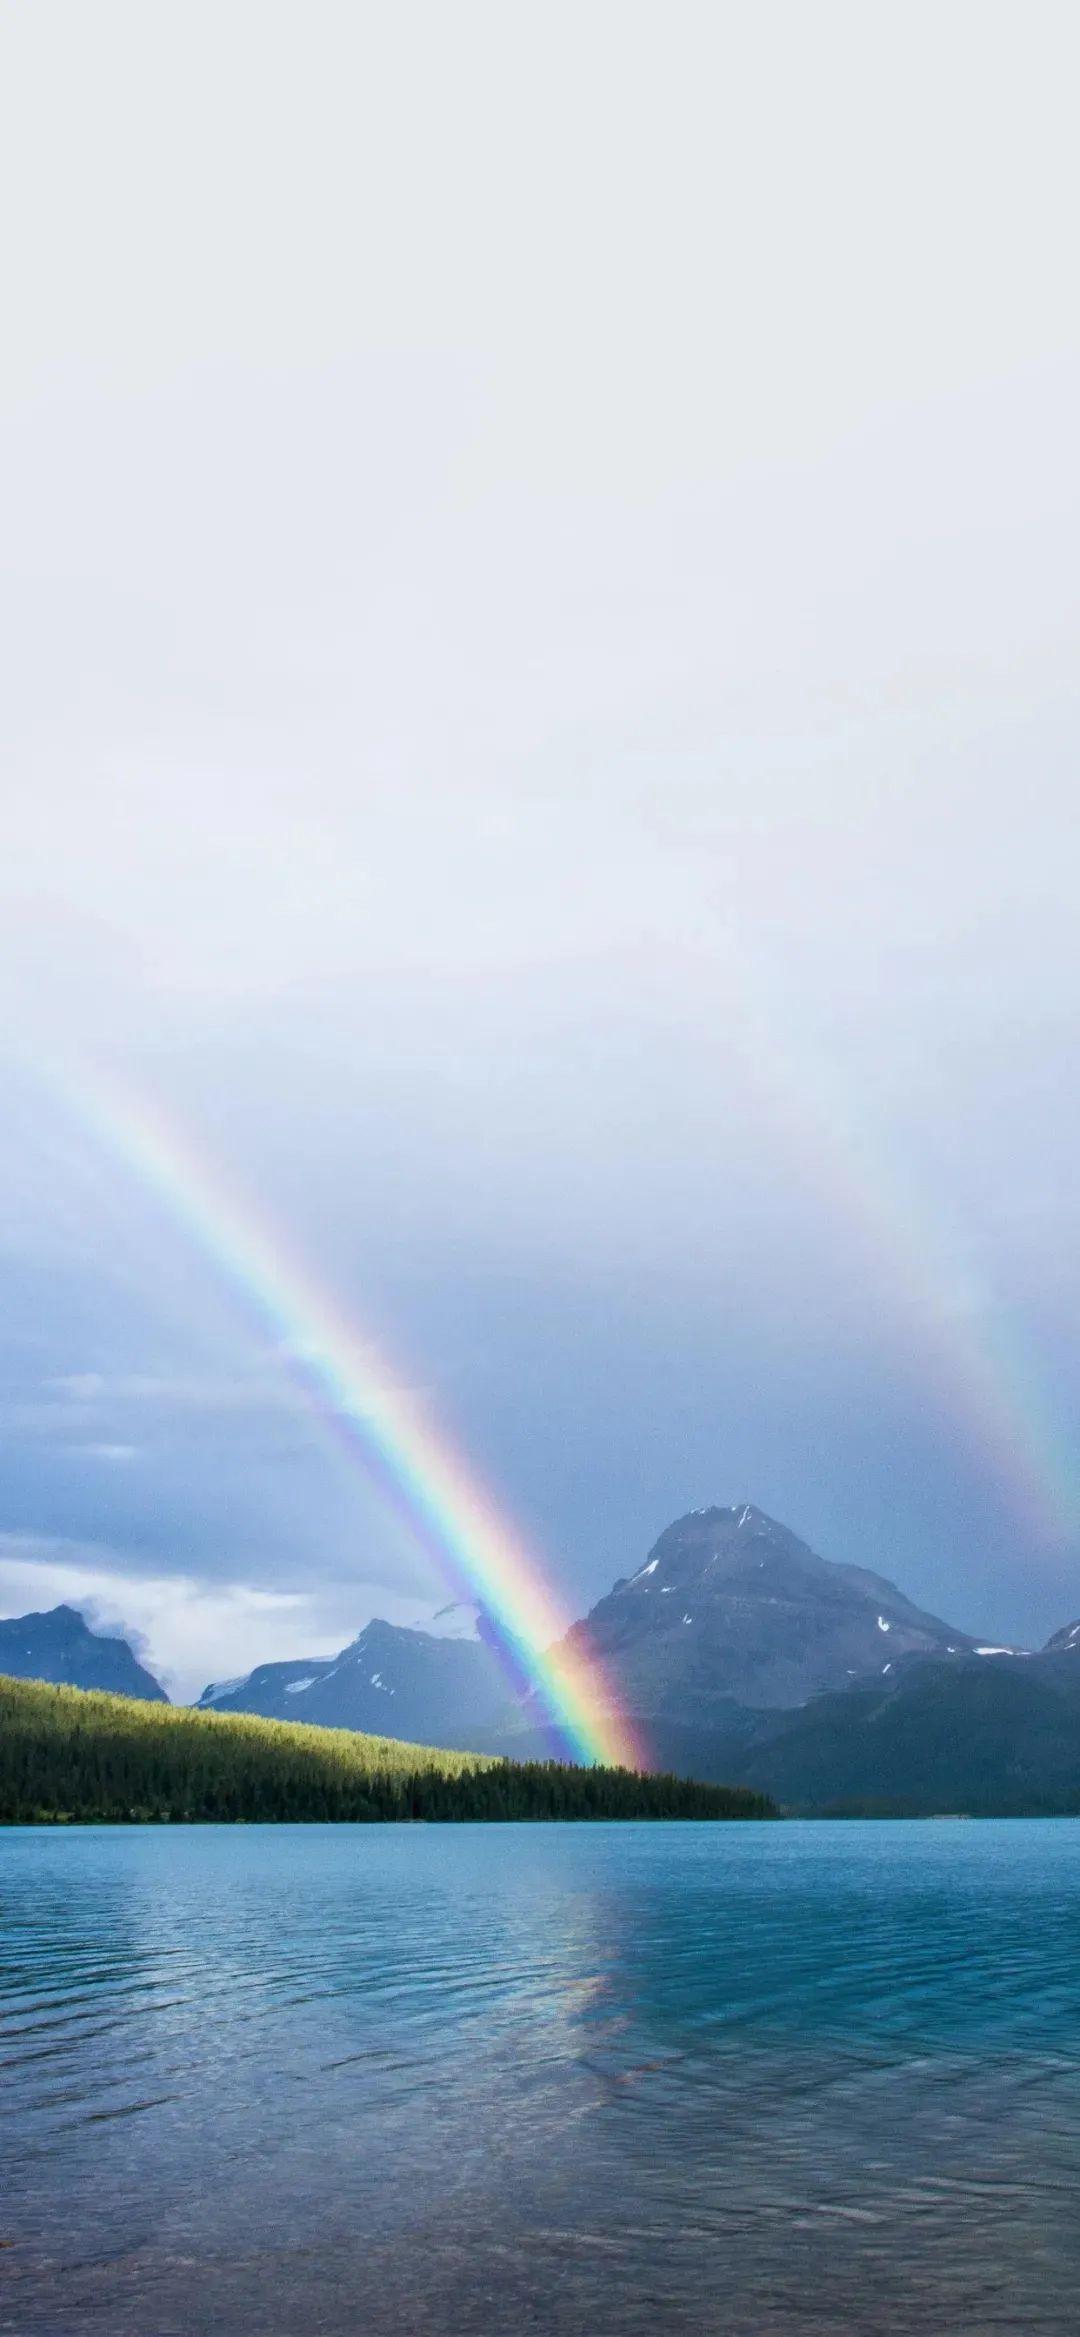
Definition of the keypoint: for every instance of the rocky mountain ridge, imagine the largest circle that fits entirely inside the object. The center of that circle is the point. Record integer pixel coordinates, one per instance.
(732, 1608)
(58, 1646)
(429, 1687)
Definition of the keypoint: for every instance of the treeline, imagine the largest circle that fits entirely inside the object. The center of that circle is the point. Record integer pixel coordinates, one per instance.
(1029, 1805)
(78, 1756)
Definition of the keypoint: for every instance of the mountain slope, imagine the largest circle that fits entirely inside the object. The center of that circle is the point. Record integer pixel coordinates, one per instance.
(58, 1646)
(432, 1689)
(998, 1734)
(66, 1754)
(1064, 1642)
(731, 1607)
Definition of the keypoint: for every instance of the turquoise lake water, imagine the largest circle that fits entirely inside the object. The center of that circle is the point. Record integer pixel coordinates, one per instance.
(266, 2082)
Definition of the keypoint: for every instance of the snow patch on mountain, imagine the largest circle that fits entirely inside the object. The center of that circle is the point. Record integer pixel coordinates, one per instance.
(459, 1620)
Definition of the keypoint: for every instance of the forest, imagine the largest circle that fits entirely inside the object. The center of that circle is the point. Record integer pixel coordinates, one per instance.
(77, 1756)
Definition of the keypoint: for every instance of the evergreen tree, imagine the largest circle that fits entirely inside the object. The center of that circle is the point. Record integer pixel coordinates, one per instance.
(69, 1754)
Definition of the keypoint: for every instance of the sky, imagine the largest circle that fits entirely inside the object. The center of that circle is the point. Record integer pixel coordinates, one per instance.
(540, 731)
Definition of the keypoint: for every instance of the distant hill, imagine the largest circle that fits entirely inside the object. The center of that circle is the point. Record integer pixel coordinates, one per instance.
(59, 1646)
(69, 1755)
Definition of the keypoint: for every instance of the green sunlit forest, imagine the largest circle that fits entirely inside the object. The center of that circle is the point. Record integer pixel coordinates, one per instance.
(78, 1756)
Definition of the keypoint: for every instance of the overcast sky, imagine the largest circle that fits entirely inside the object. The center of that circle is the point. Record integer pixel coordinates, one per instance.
(539, 585)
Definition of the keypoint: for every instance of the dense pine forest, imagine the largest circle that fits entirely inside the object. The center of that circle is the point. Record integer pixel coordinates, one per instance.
(77, 1756)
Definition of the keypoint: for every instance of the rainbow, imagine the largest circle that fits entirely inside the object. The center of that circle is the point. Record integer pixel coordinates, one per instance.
(956, 1335)
(353, 1387)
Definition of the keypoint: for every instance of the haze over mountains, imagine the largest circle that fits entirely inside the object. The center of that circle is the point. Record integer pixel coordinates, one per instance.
(739, 1654)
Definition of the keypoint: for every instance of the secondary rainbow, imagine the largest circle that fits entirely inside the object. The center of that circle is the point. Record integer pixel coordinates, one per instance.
(962, 1344)
(384, 1426)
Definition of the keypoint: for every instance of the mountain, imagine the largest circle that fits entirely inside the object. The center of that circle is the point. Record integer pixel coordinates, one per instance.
(730, 1608)
(434, 1687)
(264, 1690)
(966, 1733)
(59, 1646)
(741, 1657)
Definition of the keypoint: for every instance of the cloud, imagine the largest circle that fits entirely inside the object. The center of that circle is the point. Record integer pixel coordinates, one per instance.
(189, 1629)
(81, 1386)
(257, 1389)
(94, 1412)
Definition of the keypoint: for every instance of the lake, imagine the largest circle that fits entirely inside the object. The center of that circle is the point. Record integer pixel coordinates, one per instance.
(363, 2081)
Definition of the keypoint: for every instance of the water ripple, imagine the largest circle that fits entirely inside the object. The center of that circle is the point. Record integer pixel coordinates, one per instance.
(771, 2079)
